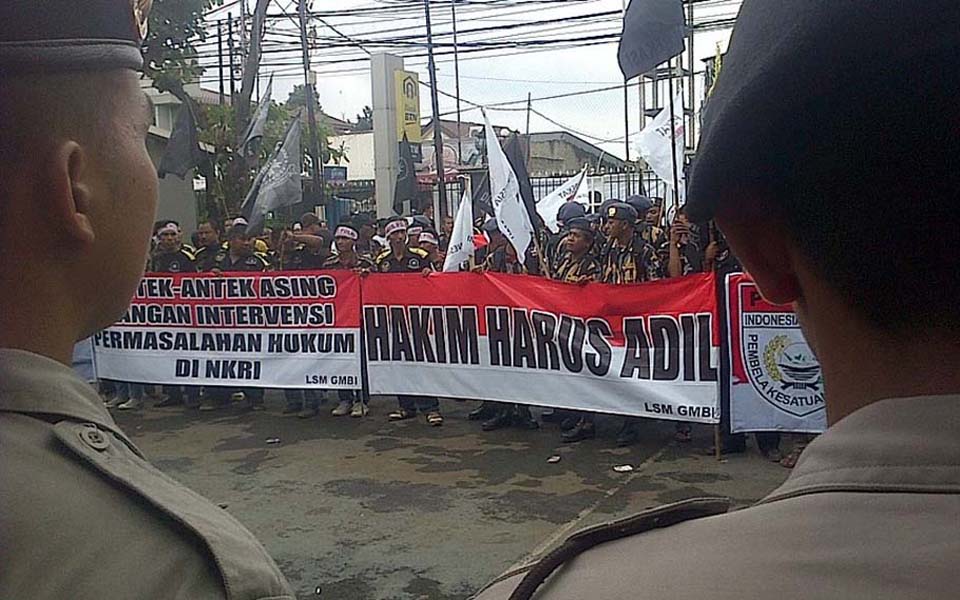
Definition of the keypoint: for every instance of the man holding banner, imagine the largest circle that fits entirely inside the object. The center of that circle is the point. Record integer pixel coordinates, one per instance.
(806, 165)
(400, 258)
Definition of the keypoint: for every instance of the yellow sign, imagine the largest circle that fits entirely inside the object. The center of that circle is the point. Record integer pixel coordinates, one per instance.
(407, 90)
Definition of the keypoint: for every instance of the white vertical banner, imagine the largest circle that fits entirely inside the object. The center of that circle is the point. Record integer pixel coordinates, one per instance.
(568, 190)
(659, 139)
(512, 217)
(461, 247)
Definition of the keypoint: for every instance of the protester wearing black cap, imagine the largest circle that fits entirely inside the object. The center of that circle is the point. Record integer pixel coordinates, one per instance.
(553, 248)
(239, 257)
(400, 258)
(626, 257)
(577, 264)
(74, 163)
(826, 118)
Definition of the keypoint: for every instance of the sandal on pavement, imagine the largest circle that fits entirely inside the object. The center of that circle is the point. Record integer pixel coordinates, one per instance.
(434, 419)
(401, 415)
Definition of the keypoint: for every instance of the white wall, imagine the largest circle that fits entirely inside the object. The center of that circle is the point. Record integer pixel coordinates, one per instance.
(359, 150)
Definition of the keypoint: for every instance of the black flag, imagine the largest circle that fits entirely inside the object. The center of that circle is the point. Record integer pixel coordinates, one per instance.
(652, 34)
(183, 148)
(406, 188)
(517, 158)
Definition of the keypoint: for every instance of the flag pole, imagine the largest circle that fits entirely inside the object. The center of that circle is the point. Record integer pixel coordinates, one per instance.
(673, 144)
(435, 105)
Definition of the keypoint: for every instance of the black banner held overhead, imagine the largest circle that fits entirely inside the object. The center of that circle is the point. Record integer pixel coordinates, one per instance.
(183, 148)
(653, 33)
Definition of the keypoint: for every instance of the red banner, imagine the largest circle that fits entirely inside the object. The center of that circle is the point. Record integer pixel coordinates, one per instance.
(647, 350)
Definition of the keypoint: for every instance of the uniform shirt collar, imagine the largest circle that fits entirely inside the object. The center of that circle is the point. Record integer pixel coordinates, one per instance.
(895, 445)
(37, 385)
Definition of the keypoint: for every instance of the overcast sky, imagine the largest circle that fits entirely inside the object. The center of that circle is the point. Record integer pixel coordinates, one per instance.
(345, 88)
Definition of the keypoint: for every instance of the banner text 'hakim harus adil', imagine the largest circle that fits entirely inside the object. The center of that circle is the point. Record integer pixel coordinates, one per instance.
(648, 350)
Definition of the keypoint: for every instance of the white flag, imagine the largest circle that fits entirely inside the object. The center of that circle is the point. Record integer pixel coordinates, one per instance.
(549, 205)
(656, 149)
(461, 247)
(512, 217)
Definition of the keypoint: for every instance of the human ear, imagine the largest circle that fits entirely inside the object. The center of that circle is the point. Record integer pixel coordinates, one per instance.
(68, 194)
(763, 246)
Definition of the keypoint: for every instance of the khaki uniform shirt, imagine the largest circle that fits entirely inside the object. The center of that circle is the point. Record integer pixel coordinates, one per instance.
(871, 511)
(84, 515)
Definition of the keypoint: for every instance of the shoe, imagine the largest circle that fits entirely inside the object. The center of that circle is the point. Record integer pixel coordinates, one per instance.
(434, 419)
(308, 413)
(343, 409)
(168, 401)
(114, 401)
(524, 420)
(483, 412)
(569, 423)
(131, 404)
(583, 430)
(238, 396)
(554, 416)
(292, 409)
(501, 419)
(359, 410)
(628, 434)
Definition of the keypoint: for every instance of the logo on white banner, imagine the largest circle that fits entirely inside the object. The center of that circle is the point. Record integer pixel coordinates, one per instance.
(779, 363)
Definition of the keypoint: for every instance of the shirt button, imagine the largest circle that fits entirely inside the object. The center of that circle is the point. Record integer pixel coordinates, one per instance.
(94, 438)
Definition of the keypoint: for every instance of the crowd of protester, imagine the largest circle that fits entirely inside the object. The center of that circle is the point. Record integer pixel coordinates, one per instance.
(623, 242)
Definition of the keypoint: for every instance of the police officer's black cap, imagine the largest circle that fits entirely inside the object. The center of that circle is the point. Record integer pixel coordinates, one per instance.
(580, 224)
(57, 36)
(570, 210)
(621, 211)
(605, 205)
(641, 203)
(790, 62)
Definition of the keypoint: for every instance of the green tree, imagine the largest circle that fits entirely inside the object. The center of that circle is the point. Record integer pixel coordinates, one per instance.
(170, 53)
(298, 99)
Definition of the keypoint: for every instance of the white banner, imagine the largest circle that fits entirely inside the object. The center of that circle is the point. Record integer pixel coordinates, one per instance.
(658, 141)
(775, 380)
(512, 217)
(568, 190)
(276, 330)
(461, 247)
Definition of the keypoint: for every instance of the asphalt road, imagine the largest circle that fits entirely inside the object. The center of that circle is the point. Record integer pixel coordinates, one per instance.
(367, 509)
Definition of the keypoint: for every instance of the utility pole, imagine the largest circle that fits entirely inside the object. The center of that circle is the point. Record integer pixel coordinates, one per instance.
(691, 124)
(435, 104)
(526, 153)
(308, 81)
(456, 78)
(220, 57)
(626, 132)
(233, 89)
